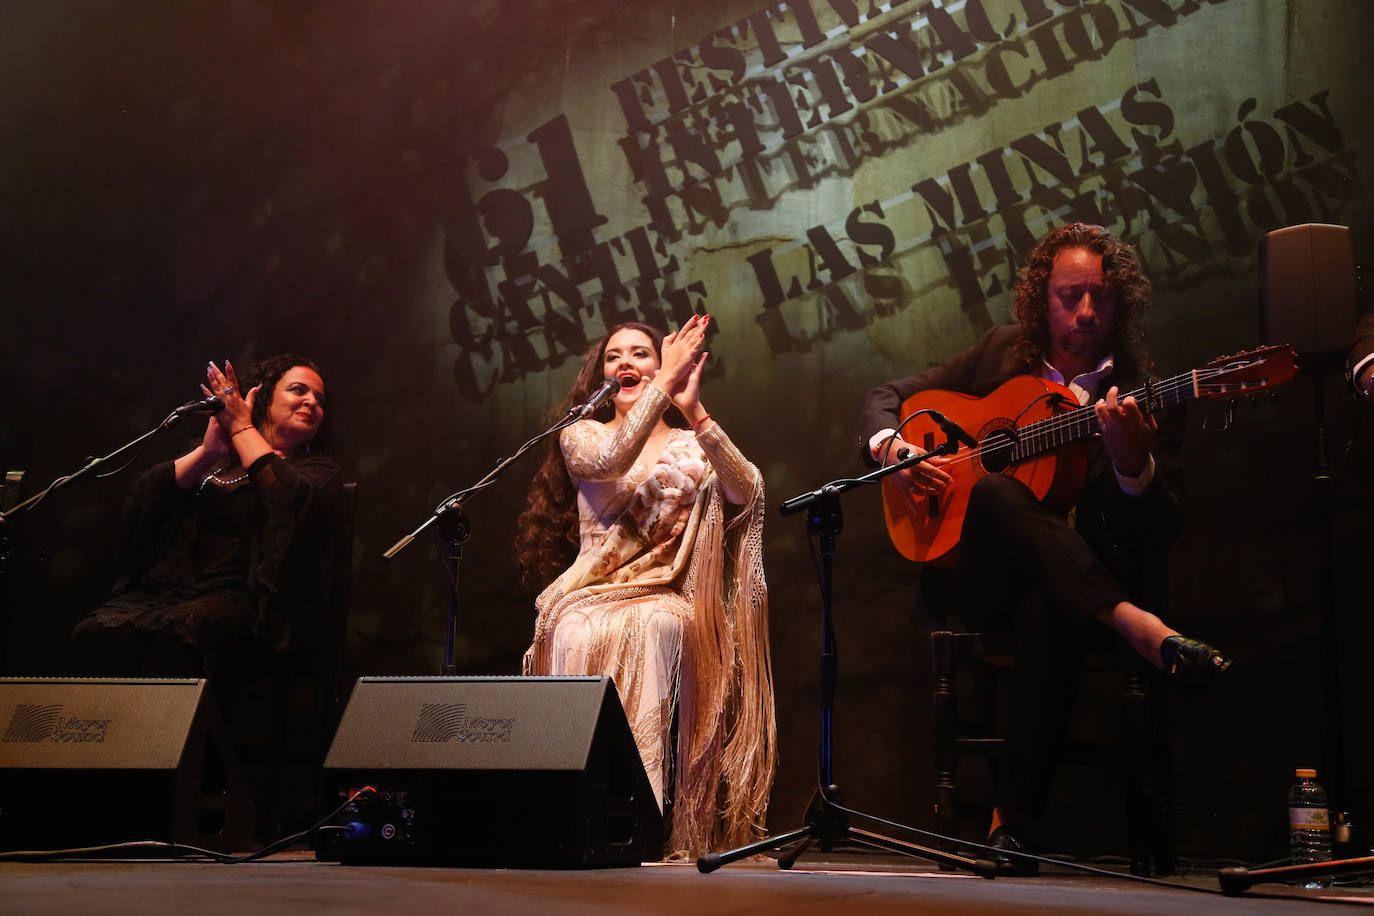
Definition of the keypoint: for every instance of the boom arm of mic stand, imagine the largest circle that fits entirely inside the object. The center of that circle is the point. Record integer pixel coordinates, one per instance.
(455, 500)
(455, 529)
(90, 465)
(835, 487)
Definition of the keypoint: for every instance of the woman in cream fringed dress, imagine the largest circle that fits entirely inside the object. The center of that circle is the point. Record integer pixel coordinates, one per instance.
(666, 593)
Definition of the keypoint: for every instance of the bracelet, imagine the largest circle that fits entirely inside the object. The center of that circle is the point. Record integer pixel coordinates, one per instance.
(699, 422)
(240, 430)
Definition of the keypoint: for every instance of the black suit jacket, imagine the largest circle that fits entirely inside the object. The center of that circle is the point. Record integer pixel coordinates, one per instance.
(1362, 347)
(1130, 533)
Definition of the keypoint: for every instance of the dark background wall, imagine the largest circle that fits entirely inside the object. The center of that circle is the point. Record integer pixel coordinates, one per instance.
(188, 181)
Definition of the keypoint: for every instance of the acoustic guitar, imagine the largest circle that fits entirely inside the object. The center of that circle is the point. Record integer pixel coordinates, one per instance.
(1034, 430)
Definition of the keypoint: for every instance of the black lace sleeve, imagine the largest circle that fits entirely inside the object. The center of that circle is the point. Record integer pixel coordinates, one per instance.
(151, 508)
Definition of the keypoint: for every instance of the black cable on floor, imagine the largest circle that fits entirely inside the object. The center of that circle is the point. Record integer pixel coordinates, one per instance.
(141, 849)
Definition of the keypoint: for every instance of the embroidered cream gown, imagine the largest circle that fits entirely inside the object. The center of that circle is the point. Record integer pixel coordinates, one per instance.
(667, 596)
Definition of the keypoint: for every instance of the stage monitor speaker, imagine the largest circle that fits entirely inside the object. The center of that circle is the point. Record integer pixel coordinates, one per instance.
(489, 771)
(1307, 287)
(88, 761)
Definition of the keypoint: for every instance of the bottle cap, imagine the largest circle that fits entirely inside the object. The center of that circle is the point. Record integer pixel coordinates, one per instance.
(1306, 774)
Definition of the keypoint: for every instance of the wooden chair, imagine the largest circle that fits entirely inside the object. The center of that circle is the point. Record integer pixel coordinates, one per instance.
(1142, 750)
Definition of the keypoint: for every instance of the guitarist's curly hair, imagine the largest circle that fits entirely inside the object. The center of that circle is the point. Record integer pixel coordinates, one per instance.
(1121, 268)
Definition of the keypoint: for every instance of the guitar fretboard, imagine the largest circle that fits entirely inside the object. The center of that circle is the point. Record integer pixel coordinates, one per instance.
(1061, 429)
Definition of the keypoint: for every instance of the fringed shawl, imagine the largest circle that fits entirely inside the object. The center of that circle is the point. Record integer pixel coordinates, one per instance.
(727, 732)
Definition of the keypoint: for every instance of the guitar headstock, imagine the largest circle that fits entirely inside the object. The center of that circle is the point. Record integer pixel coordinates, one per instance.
(1246, 373)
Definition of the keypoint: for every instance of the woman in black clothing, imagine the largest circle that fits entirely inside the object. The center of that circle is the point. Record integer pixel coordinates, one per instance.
(221, 555)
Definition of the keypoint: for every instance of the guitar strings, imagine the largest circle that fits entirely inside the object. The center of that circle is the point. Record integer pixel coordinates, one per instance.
(1169, 386)
(1049, 426)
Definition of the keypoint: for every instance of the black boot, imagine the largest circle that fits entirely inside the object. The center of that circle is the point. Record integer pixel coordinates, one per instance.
(1190, 664)
(1006, 840)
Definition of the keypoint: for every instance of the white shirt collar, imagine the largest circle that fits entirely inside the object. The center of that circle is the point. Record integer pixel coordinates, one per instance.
(1085, 384)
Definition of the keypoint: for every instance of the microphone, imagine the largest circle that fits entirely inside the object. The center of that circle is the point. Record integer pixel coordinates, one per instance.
(204, 405)
(609, 389)
(953, 430)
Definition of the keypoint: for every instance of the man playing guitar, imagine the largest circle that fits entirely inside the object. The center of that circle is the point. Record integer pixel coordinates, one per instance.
(1026, 565)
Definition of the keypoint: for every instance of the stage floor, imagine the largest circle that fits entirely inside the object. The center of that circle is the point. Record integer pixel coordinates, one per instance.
(868, 884)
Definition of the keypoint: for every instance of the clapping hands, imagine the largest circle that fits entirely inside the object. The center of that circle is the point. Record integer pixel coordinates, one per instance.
(238, 406)
(679, 373)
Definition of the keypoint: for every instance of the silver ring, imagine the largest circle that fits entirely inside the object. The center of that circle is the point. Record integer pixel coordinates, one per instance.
(228, 389)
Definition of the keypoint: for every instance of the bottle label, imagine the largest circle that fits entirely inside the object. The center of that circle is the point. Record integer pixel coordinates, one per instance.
(1308, 819)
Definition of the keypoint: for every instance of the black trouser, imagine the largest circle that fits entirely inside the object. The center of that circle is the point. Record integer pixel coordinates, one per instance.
(224, 650)
(1023, 568)
(126, 651)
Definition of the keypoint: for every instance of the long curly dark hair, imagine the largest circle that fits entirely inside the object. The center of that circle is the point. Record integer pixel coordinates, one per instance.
(1121, 269)
(267, 372)
(546, 537)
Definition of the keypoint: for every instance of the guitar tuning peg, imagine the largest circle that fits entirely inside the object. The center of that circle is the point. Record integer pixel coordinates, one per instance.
(1230, 416)
(1227, 419)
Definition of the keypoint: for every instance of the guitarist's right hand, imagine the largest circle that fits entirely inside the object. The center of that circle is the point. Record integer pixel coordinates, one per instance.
(924, 477)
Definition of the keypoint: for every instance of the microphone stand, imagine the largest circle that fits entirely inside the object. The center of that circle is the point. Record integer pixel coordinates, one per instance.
(827, 821)
(454, 528)
(1236, 881)
(7, 548)
(90, 465)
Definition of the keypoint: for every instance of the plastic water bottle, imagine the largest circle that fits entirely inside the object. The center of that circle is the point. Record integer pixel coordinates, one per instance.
(1309, 826)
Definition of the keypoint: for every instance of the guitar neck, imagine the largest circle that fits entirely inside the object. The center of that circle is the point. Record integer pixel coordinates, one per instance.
(1052, 432)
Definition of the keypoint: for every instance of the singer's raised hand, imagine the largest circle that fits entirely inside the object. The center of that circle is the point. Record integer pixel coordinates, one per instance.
(190, 468)
(688, 400)
(238, 405)
(215, 442)
(236, 419)
(680, 350)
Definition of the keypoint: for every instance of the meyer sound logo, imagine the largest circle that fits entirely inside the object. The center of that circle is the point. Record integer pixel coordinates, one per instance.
(442, 722)
(31, 722)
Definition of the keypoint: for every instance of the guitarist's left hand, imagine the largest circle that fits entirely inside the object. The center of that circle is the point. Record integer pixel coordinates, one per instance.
(1126, 432)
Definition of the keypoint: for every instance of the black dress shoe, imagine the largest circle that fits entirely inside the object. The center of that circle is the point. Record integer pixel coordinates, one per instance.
(1006, 840)
(1190, 664)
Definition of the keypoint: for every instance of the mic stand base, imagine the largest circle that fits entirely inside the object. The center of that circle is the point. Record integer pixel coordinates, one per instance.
(828, 826)
(827, 821)
(1238, 880)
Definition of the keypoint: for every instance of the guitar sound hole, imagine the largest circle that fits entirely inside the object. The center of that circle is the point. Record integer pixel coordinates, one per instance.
(997, 452)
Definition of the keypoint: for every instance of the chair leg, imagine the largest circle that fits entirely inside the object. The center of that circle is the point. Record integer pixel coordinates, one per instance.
(1145, 750)
(1140, 809)
(1161, 779)
(944, 750)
